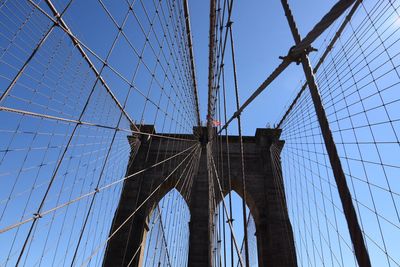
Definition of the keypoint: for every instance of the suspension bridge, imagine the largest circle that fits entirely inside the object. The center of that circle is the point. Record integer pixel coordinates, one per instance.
(105, 160)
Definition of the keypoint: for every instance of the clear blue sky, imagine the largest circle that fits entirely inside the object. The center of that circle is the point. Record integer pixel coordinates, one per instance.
(49, 87)
(261, 35)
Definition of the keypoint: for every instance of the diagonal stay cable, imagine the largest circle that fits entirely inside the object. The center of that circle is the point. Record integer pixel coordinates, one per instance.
(226, 210)
(162, 226)
(178, 180)
(322, 59)
(73, 155)
(141, 205)
(343, 190)
(336, 11)
(141, 58)
(190, 174)
(39, 215)
(121, 114)
(191, 58)
(31, 56)
(325, 22)
(285, 63)
(61, 23)
(80, 122)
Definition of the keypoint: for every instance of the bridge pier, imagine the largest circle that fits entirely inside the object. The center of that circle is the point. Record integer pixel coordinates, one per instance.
(128, 242)
(264, 194)
(200, 247)
(275, 230)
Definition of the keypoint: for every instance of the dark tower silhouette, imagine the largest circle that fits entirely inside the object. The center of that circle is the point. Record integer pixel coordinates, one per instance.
(264, 194)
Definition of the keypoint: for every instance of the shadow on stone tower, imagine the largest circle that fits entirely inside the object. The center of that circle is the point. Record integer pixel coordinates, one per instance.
(264, 196)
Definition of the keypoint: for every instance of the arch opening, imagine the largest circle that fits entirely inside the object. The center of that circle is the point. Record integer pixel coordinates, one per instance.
(166, 240)
(225, 250)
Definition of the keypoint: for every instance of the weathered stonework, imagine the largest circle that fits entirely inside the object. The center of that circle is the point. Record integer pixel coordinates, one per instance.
(264, 196)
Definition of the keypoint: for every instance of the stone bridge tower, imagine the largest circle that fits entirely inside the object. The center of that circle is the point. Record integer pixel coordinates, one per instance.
(264, 196)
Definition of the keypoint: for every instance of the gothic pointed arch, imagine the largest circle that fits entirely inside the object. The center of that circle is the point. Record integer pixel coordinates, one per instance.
(167, 236)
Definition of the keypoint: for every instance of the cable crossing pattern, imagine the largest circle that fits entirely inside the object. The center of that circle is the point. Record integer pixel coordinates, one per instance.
(72, 109)
(90, 122)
